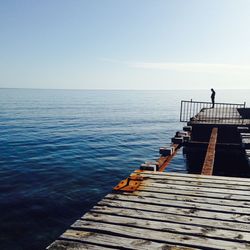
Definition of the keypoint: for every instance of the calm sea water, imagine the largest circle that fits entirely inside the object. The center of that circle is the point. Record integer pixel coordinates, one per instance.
(61, 151)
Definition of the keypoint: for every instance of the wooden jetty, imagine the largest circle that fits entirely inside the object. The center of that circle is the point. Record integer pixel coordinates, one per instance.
(232, 122)
(168, 211)
(160, 210)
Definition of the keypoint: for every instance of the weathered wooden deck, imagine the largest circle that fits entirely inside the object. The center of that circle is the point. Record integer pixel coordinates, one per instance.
(220, 116)
(168, 211)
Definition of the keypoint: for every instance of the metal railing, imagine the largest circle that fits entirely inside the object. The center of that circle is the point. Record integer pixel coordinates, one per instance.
(203, 111)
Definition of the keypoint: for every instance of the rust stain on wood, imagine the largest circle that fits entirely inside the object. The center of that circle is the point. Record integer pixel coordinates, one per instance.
(130, 184)
(164, 161)
(208, 164)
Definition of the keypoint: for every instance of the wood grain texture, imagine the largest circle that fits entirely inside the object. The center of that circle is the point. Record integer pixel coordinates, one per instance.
(169, 211)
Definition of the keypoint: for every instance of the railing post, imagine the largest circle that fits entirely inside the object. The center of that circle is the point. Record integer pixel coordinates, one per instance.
(181, 112)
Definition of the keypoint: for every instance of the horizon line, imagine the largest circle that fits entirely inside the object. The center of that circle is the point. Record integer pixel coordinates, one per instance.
(96, 89)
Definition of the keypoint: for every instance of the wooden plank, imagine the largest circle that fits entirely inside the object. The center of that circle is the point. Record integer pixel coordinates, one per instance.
(181, 204)
(212, 189)
(192, 212)
(180, 197)
(166, 237)
(147, 223)
(157, 189)
(197, 176)
(194, 176)
(204, 189)
(196, 183)
(170, 217)
(208, 164)
(69, 245)
(106, 239)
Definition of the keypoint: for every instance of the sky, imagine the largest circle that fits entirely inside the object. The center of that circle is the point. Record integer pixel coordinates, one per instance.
(125, 44)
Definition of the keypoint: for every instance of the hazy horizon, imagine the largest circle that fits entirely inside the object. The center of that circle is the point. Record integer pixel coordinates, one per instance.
(208, 89)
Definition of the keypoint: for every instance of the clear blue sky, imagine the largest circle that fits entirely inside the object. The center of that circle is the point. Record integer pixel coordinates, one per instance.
(125, 44)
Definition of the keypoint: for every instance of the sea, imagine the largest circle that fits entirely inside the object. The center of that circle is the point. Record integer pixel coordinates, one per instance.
(61, 151)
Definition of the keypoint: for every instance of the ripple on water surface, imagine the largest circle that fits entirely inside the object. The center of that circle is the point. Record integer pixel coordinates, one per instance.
(62, 151)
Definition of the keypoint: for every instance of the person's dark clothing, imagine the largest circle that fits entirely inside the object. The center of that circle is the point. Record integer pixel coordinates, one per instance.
(213, 97)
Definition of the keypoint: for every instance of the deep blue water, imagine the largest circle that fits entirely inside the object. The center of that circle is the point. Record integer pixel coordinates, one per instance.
(61, 151)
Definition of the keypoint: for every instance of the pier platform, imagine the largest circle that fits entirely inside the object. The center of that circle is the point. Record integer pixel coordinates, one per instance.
(206, 208)
(167, 211)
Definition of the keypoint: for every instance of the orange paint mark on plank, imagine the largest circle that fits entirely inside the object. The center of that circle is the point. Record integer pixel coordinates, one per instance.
(130, 184)
(208, 164)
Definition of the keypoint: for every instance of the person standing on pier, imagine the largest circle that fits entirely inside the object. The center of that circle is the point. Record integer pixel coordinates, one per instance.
(213, 97)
